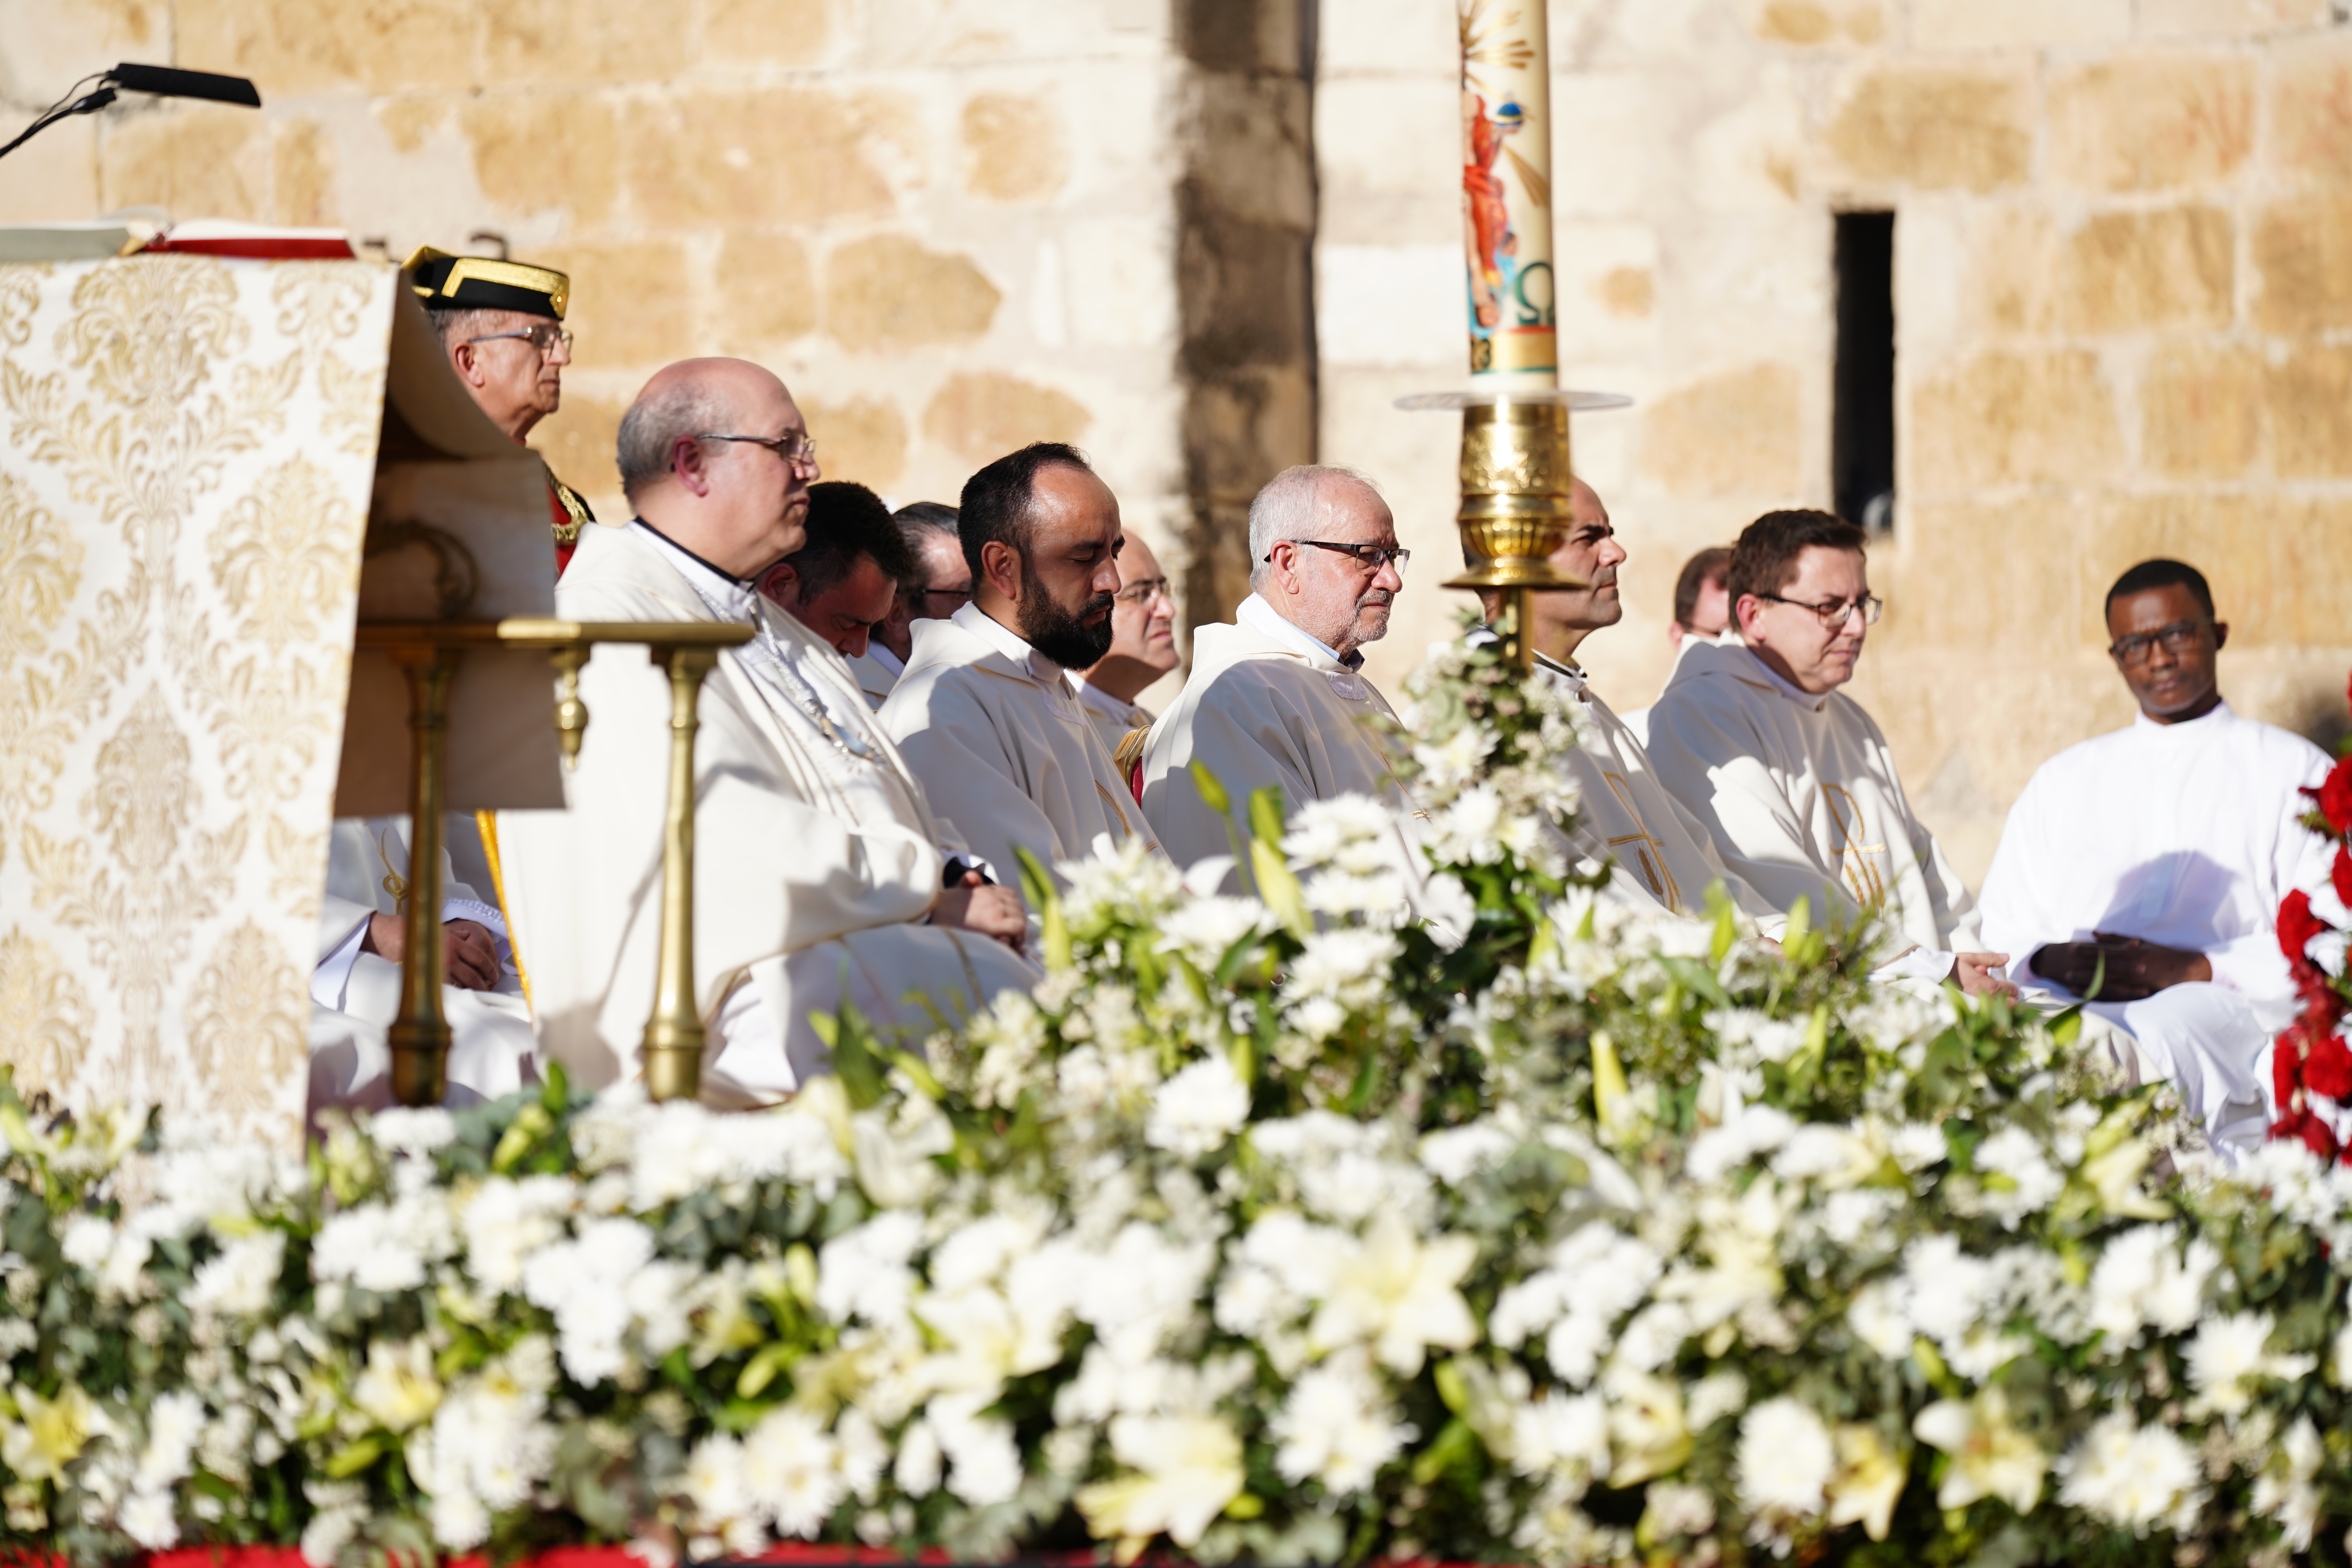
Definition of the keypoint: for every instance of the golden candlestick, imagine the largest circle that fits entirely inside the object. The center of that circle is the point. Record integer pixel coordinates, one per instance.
(430, 653)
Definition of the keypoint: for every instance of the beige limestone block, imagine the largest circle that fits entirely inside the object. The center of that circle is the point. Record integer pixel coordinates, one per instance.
(2303, 254)
(2126, 271)
(410, 120)
(2259, 550)
(2011, 24)
(2201, 410)
(537, 150)
(775, 156)
(1119, 282)
(1388, 37)
(1815, 24)
(1626, 293)
(196, 160)
(2152, 122)
(1977, 574)
(888, 293)
(305, 174)
(1734, 433)
(1936, 127)
(2311, 111)
(765, 291)
(2014, 418)
(860, 439)
(572, 42)
(49, 46)
(766, 32)
(981, 416)
(2227, 18)
(294, 47)
(54, 177)
(2014, 256)
(632, 302)
(2310, 576)
(1013, 148)
(2311, 413)
(578, 441)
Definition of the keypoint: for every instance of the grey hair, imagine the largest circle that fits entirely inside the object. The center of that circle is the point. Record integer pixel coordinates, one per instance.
(457, 326)
(656, 421)
(1284, 508)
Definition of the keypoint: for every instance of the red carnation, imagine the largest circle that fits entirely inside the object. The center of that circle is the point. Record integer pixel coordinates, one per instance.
(2341, 875)
(2297, 925)
(2335, 795)
(2314, 1132)
(2286, 1068)
(2327, 1071)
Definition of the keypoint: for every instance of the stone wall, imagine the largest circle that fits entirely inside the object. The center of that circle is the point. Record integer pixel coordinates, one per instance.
(2124, 319)
(950, 225)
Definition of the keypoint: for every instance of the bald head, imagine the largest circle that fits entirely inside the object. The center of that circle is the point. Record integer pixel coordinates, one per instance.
(737, 504)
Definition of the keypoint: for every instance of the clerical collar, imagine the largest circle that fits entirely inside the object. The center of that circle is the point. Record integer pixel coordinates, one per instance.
(1010, 643)
(1101, 702)
(690, 555)
(1813, 701)
(890, 662)
(1262, 616)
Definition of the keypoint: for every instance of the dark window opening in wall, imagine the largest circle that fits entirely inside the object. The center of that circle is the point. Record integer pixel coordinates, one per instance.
(1862, 440)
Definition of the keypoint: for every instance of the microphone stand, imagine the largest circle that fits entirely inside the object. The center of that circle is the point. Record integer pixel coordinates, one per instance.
(161, 81)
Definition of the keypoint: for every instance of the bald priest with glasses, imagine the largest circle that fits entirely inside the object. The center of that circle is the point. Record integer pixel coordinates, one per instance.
(501, 325)
(1791, 777)
(2147, 867)
(1279, 697)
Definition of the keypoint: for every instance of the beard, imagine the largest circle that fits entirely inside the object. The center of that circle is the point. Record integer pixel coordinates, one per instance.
(1373, 614)
(1061, 635)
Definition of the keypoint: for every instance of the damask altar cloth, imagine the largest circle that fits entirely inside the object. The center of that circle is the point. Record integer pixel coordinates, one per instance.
(188, 447)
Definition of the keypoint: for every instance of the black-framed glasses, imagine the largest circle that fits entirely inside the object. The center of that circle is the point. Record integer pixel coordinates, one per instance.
(956, 598)
(793, 445)
(1143, 589)
(2177, 638)
(545, 336)
(1372, 555)
(1834, 613)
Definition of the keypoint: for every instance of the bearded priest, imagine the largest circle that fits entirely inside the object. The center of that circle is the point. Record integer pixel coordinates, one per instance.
(985, 713)
(1791, 778)
(821, 879)
(1657, 854)
(2145, 867)
(1279, 697)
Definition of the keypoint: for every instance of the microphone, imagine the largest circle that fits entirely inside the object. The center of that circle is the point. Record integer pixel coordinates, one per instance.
(158, 82)
(167, 81)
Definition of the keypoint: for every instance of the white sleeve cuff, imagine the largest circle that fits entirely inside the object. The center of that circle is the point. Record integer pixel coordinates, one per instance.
(334, 975)
(1917, 963)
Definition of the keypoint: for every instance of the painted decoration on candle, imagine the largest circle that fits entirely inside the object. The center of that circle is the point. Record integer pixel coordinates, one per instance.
(1507, 187)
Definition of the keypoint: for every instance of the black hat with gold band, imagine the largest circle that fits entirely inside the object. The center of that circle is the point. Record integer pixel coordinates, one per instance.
(446, 282)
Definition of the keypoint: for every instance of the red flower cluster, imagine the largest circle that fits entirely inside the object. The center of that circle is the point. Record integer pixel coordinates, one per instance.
(2312, 1060)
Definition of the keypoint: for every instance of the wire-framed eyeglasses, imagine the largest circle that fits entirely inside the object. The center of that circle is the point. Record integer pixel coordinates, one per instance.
(793, 445)
(1143, 589)
(544, 336)
(1834, 613)
(2177, 638)
(1374, 557)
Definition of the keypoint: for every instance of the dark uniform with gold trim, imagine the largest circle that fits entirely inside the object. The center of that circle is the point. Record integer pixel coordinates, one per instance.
(445, 282)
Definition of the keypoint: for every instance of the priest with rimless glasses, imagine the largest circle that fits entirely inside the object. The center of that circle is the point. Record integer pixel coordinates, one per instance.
(2145, 869)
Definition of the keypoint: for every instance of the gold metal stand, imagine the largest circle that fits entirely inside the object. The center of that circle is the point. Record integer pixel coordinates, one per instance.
(429, 652)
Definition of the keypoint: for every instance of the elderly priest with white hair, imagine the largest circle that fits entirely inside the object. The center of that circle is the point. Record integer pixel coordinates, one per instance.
(821, 878)
(2145, 867)
(1279, 697)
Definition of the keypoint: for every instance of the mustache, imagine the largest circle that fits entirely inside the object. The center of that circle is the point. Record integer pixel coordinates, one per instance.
(1101, 604)
(1375, 597)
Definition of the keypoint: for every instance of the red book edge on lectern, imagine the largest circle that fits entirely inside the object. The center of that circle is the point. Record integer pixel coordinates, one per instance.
(220, 236)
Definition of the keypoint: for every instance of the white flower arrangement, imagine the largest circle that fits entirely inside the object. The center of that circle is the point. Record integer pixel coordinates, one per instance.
(1269, 1228)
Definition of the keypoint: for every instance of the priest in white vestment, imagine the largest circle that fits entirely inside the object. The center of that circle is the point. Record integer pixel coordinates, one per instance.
(941, 586)
(1702, 614)
(842, 583)
(1278, 696)
(985, 714)
(355, 989)
(1792, 779)
(2151, 863)
(820, 876)
(1142, 649)
(1658, 855)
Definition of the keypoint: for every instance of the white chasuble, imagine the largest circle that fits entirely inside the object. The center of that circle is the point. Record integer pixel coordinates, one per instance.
(1267, 704)
(1800, 796)
(1660, 856)
(355, 995)
(2186, 836)
(876, 670)
(998, 739)
(1114, 720)
(817, 858)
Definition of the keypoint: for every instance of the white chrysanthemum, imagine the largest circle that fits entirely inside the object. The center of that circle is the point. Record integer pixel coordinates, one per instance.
(1455, 1154)
(386, 1248)
(1350, 833)
(1204, 929)
(2017, 1178)
(147, 1518)
(87, 1241)
(1917, 1145)
(1199, 1109)
(175, 1423)
(2229, 1353)
(415, 1131)
(1338, 1427)
(240, 1281)
(2287, 1491)
(1466, 832)
(864, 1273)
(1785, 1460)
(1721, 1150)
(1876, 1316)
(2135, 1478)
(788, 1469)
(505, 1221)
(2145, 1278)
(1561, 1434)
